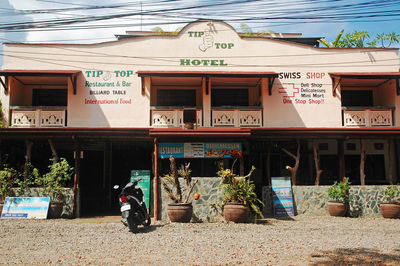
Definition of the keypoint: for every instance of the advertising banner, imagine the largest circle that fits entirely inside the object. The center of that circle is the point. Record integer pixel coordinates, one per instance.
(144, 184)
(198, 150)
(282, 196)
(26, 207)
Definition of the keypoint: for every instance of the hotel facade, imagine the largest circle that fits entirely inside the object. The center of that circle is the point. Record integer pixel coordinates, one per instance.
(114, 107)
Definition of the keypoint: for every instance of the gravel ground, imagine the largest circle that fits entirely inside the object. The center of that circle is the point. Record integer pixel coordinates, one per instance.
(304, 240)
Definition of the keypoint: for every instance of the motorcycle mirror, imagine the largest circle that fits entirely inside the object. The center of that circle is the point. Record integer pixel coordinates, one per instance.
(116, 187)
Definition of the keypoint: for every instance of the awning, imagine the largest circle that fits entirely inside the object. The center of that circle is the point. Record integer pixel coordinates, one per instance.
(29, 76)
(372, 78)
(200, 132)
(209, 75)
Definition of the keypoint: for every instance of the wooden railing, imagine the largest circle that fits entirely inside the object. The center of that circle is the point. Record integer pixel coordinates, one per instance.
(367, 118)
(31, 117)
(172, 117)
(236, 118)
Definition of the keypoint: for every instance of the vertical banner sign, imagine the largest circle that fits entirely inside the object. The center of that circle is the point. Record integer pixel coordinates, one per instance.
(26, 207)
(282, 196)
(144, 184)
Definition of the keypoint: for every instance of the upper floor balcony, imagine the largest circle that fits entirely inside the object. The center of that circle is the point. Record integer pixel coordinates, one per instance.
(214, 100)
(368, 99)
(38, 98)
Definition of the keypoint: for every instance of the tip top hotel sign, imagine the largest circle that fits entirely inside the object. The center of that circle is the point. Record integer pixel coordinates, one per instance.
(206, 42)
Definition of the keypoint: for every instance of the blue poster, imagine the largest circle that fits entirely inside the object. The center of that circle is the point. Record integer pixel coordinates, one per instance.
(167, 149)
(282, 196)
(26, 207)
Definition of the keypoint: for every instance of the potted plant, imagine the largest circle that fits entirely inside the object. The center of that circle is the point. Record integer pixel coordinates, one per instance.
(180, 210)
(239, 197)
(390, 207)
(339, 195)
(52, 184)
(7, 180)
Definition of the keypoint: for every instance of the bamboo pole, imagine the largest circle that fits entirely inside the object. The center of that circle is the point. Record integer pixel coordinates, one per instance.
(269, 150)
(362, 163)
(53, 151)
(293, 170)
(342, 167)
(318, 171)
(390, 158)
(156, 217)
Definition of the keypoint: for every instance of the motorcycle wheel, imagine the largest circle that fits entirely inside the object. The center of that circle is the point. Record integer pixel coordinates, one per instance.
(131, 224)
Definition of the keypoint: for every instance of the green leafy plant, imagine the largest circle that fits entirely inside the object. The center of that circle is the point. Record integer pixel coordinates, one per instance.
(339, 191)
(8, 177)
(171, 181)
(392, 194)
(28, 178)
(239, 189)
(362, 39)
(56, 179)
(333, 44)
(247, 31)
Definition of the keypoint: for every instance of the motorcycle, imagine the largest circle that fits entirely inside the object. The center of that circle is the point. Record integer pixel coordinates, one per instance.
(133, 208)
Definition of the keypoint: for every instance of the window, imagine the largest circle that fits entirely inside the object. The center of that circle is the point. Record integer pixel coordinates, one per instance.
(357, 98)
(49, 97)
(176, 98)
(229, 97)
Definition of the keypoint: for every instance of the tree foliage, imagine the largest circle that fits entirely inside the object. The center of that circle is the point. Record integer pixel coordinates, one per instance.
(247, 31)
(362, 39)
(57, 178)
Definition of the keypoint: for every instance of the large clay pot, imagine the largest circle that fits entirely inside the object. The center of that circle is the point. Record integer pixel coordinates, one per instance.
(236, 212)
(390, 210)
(180, 212)
(55, 210)
(337, 208)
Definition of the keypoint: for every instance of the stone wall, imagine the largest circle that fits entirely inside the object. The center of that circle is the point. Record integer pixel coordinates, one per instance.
(308, 200)
(312, 200)
(210, 194)
(68, 199)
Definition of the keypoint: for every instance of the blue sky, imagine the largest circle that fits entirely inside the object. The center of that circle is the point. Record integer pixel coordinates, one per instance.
(14, 11)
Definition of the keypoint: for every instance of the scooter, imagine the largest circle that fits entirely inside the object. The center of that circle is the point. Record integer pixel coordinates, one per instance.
(133, 207)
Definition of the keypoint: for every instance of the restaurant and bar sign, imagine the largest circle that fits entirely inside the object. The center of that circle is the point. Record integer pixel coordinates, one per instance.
(198, 150)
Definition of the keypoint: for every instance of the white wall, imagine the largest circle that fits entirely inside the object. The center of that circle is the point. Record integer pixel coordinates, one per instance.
(164, 53)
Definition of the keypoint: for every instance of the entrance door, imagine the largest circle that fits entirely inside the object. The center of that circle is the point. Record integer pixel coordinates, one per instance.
(92, 184)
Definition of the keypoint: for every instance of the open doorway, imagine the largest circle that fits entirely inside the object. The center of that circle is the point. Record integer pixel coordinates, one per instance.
(105, 164)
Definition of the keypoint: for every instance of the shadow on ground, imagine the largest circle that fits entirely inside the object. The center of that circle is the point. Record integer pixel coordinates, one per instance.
(356, 256)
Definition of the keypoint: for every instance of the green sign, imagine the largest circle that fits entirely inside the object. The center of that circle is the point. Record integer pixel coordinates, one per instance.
(144, 184)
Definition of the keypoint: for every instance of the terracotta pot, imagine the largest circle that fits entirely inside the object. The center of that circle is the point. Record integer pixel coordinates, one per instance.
(236, 212)
(55, 210)
(390, 210)
(180, 212)
(337, 208)
(189, 125)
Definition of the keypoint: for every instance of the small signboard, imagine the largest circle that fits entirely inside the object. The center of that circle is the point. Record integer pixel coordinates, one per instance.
(26, 207)
(282, 196)
(198, 150)
(144, 184)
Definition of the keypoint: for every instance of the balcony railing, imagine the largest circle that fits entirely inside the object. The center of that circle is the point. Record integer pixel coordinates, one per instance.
(237, 117)
(367, 117)
(33, 117)
(172, 117)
